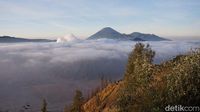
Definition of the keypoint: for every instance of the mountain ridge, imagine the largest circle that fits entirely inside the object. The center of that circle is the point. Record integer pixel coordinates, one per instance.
(10, 39)
(110, 33)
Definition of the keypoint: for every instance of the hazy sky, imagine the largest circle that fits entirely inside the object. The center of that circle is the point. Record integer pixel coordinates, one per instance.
(54, 18)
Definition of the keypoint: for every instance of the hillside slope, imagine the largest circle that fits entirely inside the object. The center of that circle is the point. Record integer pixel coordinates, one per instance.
(173, 82)
(105, 100)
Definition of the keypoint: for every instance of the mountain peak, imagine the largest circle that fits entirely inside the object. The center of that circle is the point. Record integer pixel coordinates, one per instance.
(106, 32)
(108, 28)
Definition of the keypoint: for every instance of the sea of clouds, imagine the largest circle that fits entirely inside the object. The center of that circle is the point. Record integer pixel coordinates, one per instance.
(30, 72)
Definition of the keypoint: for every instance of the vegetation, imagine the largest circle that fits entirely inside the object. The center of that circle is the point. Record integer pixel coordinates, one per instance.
(137, 78)
(77, 102)
(104, 82)
(184, 79)
(149, 87)
(44, 106)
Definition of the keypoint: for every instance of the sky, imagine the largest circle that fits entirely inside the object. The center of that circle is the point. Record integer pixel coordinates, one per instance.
(175, 19)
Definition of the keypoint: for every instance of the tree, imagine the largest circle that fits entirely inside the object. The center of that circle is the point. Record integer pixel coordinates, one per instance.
(137, 78)
(77, 102)
(44, 106)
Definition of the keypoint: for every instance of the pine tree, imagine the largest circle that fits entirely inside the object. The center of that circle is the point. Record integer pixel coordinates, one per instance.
(77, 102)
(44, 106)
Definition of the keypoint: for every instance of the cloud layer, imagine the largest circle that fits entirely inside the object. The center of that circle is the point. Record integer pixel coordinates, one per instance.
(32, 71)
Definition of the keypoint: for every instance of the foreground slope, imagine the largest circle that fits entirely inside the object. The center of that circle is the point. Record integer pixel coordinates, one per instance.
(105, 100)
(175, 82)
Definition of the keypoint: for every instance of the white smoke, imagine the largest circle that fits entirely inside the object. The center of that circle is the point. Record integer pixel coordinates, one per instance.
(67, 38)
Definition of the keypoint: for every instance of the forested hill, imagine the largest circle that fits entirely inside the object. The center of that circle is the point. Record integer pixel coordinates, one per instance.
(146, 86)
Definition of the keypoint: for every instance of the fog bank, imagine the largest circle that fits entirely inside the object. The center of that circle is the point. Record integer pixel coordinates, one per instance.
(30, 72)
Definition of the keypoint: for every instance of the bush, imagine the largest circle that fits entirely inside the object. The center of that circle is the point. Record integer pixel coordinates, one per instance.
(184, 80)
(149, 87)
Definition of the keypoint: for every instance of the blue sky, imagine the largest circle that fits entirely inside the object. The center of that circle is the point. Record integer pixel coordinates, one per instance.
(55, 18)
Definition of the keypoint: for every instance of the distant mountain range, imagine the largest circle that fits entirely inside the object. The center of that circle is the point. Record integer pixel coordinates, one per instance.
(8, 39)
(106, 32)
(135, 36)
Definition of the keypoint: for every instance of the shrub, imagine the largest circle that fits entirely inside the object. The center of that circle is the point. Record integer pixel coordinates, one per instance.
(184, 80)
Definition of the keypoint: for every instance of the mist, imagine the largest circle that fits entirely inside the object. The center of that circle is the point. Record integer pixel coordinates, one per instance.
(30, 72)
